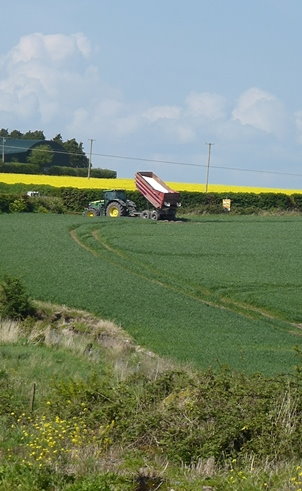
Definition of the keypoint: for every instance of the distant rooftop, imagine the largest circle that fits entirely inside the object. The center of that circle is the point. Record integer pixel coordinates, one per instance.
(20, 148)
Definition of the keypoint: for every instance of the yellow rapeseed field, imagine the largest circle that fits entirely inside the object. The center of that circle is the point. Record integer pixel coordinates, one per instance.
(129, 184)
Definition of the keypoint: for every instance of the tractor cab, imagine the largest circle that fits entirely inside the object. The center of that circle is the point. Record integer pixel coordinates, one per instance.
(115, 194)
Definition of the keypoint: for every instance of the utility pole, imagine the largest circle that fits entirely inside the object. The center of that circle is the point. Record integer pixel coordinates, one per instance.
(90, 154)
(3, 142)
(208, 166)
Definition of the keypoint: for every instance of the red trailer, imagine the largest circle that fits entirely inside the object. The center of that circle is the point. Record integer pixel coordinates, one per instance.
(162, 197)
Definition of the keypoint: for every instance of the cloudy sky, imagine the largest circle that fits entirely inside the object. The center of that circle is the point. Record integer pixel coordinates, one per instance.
(160, 80)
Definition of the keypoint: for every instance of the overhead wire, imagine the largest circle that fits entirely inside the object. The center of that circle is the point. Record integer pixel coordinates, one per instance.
(160, 161)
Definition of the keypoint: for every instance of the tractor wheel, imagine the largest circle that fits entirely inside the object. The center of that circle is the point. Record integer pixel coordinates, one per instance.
(115, 210)
(145, 214)
(91, 213)
(155, 215)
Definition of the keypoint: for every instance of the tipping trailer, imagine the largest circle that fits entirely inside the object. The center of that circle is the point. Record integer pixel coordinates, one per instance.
(115, 204)
(162, 197)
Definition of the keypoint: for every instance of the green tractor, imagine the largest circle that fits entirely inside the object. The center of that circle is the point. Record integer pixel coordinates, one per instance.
(115, 204)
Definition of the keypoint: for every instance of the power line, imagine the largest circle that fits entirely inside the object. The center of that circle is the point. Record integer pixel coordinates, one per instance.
(159, 161)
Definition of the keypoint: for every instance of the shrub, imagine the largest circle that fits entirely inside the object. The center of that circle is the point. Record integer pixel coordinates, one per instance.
(275, 200)
(46, 204)
(5, 201)
(17, 206)
(17, 168)
(297, 201)
(14, 301)
(57, 170)
(77, 199)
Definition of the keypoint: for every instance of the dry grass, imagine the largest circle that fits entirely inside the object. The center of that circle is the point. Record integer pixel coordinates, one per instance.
(9, 331)
(82, 333)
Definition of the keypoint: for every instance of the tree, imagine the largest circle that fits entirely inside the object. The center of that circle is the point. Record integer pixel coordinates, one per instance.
(77, 157)
(16, 134)
(34, 135)
(42, 156)
(4, 132)
(58, 139)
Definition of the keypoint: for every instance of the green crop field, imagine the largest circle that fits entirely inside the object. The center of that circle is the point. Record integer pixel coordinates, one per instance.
(210, 291)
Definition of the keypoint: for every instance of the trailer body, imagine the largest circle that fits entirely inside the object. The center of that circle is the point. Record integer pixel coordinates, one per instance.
(161, 196)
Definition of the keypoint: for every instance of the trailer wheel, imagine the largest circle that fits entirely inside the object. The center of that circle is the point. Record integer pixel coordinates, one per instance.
(145, 214)
(154, 215)
(90, 213)
(115, 210)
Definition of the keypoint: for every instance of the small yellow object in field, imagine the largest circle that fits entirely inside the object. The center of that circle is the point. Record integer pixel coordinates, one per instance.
(129, 184)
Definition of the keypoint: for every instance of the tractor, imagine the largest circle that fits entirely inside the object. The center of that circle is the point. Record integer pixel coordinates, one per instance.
(115, 204)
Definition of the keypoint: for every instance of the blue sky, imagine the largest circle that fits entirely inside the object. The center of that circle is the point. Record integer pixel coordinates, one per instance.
(160, 80)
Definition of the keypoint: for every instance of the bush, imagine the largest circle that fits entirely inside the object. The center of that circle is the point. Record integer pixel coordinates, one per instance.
(17, 168)
(5, 201)
(57, 170)
(297, 201)
(281, 201)
(14, 301)
(97, 173)
(17, 206)
(45, 204)
(77, 199)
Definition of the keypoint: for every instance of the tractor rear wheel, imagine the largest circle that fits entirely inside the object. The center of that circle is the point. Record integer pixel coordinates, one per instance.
(115, 210)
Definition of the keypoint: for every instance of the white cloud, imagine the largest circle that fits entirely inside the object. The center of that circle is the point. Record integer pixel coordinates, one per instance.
(260, 110)
(39, 79)
(156, 113)
(53, 47)
(206, 105)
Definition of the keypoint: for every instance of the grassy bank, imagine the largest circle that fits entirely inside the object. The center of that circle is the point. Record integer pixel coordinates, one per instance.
(108, 415)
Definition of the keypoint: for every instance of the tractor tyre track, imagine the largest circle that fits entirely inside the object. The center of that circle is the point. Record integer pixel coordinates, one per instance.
(223, 303)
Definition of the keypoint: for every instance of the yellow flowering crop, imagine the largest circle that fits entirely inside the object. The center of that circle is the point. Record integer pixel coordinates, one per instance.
(129, 184)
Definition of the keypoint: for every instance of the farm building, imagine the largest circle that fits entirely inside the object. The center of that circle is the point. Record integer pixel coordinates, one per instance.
(16, 149)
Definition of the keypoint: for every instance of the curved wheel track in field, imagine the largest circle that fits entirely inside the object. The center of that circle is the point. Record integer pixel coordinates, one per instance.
(119, 258)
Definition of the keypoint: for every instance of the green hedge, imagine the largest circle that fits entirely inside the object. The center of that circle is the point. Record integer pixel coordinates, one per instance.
(57, 170)
(241, 201)
(12, 203)
(75, 200)
(17, 168)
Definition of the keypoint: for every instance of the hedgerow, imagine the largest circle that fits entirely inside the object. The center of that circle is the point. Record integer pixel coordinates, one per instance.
(76, 200)
(57, 170)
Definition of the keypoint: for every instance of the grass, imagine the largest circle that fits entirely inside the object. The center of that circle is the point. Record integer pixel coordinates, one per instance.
(215, 291)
